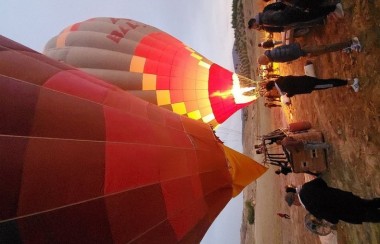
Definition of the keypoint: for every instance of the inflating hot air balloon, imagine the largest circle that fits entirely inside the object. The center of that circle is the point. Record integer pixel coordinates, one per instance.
(154, 66)
(82, 161)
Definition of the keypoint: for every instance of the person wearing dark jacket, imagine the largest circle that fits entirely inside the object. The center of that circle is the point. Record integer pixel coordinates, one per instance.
(333, 204)
(293, 51)
(280, 14)
(294, 85)
(270, 43)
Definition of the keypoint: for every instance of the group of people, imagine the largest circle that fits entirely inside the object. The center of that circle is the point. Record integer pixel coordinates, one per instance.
(315, 196)
(322, 201)
(281, 16)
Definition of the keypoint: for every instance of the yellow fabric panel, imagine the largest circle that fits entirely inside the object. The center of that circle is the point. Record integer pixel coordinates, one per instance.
(163, 97)
(196, 56)
(202, 74)
(206, 110)
(204, 64)
(202, 85)
(137, 64)
(202, 94)
(243, 169)
(179, 108)
(204, 103)
(149, 82)
(195, 115)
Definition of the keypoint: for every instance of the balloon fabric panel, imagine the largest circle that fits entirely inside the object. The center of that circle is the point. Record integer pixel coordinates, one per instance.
(91, 163)
(102, 46)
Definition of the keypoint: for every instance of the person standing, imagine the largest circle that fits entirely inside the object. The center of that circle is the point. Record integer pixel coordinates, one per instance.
(333, 204)
(293, 51)
(280, 15)
(294, 85)
(270, 43)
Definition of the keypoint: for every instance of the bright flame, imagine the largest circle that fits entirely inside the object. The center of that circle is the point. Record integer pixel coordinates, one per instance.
(223, 95)
(237, 91)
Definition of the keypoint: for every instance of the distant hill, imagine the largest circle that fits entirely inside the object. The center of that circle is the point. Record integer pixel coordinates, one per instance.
(240, 46)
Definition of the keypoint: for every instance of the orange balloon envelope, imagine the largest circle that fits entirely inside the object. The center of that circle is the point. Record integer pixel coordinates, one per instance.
(82, 161)
(154, 66)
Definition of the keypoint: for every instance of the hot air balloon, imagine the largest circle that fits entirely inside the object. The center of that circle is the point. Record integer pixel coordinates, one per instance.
(82, 161)
(154, 66)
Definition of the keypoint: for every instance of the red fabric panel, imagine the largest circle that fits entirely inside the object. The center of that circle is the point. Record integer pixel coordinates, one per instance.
(163, 83)
(11, 61)
(177, 83)
(150, 67)
(75, 27)
(156, 114)
(138, 107)
(81, 223)
(121, 126)
(207, 161)
(176, 96)
(154, 54)
(70, 82)
(132, 213)
(17, 103)
(142, 50)
(122, 172)
(177, 73)
(214, 180)
(12, 151)
(162, 233)
(78, 118)
(184, 207)
(216, 201)
(181, 164)
(196, 234)
(164, 69)
(166, 57)
(189, 95)
(197, 129)
(157, 164)
(118, 100)
(172, 120)
(59, 172)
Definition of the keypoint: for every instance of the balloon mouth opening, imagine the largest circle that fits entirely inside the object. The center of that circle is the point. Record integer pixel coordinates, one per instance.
(243, 93)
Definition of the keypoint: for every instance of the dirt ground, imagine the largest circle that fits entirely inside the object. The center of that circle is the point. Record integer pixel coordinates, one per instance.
(349, 121)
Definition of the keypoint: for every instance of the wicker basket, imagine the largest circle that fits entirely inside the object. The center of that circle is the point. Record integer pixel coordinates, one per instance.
(315, 160)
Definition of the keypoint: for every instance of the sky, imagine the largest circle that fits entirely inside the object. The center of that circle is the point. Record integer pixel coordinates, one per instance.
(204, 25)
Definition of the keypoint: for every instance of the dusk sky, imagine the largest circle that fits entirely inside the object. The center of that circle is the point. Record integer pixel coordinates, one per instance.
(204, 25)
